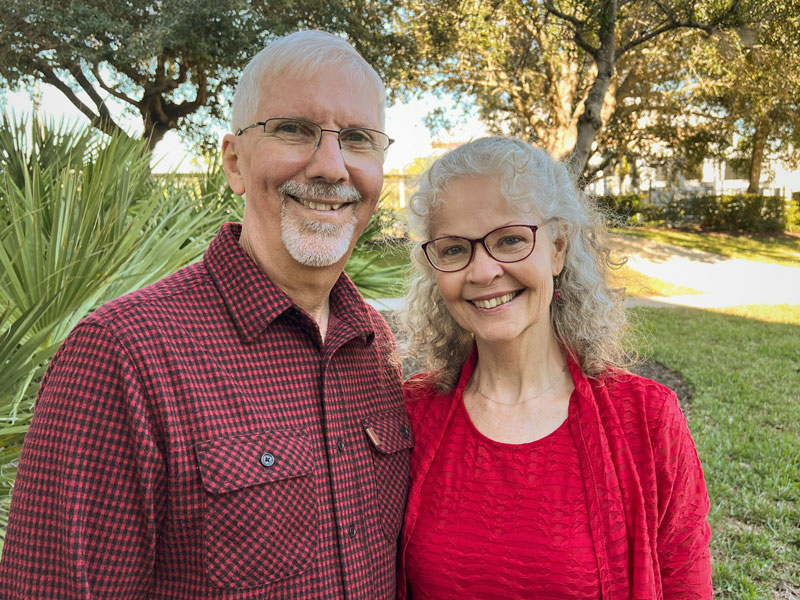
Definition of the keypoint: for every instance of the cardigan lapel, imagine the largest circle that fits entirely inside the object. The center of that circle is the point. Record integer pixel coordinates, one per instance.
(625, 555)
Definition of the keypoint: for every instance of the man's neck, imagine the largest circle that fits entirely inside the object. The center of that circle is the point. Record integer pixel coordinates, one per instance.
(308, 287)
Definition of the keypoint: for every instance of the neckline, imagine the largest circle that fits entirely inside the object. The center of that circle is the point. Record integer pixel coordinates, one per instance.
(507, 445)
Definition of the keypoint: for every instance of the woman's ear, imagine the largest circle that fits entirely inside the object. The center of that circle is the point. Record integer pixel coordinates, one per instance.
(559, 253)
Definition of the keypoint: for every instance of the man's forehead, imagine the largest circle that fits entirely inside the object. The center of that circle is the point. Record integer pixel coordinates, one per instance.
(334, 91)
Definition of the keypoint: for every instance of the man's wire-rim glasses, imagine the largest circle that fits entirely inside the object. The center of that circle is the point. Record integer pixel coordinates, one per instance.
(359, 140)
(507, 244)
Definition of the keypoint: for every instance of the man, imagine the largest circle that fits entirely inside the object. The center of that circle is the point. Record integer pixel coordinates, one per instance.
(237, 429)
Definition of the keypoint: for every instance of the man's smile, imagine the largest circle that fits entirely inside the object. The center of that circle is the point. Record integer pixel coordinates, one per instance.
(324, 206)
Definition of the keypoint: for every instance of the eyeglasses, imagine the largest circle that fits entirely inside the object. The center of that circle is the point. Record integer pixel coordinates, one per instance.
(354, 142)
(508, 244)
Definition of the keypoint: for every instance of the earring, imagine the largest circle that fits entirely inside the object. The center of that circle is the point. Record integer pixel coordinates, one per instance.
(556, 291)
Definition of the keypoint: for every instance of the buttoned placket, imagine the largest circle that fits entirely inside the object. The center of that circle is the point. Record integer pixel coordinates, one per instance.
(342, 434)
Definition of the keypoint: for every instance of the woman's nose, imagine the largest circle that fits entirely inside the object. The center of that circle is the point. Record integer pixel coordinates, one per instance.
(482, 269)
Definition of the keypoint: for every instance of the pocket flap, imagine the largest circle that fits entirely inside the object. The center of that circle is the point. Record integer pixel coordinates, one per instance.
(389, 432)
(242, 461)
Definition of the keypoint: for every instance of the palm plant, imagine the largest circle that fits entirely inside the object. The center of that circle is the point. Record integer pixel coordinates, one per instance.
(82, 221)
(367, 267)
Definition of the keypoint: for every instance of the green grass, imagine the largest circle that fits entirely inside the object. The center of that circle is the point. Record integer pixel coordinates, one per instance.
(745, 419)
(781, 250)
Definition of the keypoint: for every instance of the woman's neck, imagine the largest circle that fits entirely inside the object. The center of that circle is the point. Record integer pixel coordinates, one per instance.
(509, 372)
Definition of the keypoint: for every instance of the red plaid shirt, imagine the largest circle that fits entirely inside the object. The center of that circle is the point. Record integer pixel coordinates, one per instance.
(196, 439)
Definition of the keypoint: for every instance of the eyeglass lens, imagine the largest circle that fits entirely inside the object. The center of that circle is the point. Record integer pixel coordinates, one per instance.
(507, 244)
(355, 142)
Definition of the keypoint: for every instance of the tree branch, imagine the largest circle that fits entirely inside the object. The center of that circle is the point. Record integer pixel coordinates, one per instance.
(111, 90)
(676, 24)
(104, 123)
(577, 26)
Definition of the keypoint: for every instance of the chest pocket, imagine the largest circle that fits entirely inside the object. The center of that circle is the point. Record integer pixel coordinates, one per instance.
(260, 514)
(390, 437)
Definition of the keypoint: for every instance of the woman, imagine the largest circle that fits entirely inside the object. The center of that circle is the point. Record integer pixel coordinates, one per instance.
(541, 468)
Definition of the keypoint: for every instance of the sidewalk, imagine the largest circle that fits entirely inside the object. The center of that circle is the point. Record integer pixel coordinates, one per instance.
(723, 281)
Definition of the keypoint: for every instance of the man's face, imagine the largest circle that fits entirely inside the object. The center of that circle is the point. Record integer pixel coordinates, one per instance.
(303, 205)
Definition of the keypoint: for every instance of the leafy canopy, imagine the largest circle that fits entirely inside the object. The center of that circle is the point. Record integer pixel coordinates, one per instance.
(169, 60)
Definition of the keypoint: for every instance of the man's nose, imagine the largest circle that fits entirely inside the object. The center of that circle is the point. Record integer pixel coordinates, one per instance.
(327, 160)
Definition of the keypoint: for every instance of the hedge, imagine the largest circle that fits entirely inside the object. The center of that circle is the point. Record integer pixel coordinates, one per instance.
(741, 212)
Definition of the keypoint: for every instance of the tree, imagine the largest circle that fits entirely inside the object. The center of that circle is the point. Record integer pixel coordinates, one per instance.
(550, 69)
(752, 76)
(168, 60)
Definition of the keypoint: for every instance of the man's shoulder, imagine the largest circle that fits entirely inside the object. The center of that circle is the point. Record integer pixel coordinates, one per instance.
(158, 302)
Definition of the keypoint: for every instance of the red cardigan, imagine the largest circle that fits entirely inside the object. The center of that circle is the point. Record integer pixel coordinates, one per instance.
(645, 490)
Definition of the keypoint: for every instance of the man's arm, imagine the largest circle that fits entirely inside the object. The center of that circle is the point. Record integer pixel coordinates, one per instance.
(88, 495)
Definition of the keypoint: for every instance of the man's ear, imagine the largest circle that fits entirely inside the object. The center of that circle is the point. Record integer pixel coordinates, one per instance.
(231, 164)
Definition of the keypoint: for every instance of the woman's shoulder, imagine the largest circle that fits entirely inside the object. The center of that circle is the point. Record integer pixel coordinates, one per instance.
(423, 396)
(637, 397)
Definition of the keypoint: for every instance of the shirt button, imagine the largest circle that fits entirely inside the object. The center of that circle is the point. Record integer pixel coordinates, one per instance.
(267, 459)
(405, 433)
(340, 445)
(351, 531)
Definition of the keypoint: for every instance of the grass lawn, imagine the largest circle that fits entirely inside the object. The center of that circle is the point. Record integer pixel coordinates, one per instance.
(744, 366)
(782, 250)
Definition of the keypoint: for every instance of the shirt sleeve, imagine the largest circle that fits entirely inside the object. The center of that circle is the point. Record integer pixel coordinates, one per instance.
(683, 531)
(88, 495)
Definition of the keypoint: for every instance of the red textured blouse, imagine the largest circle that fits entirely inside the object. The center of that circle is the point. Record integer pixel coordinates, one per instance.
(502, 520)
(644, 489)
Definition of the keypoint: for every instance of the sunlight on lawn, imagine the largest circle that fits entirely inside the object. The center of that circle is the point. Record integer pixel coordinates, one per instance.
(782, 250)
(638, 284)
(778, 313)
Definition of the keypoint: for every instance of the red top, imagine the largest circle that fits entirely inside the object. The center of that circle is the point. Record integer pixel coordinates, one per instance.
(490, 511)
(196, 439)
(646, 497)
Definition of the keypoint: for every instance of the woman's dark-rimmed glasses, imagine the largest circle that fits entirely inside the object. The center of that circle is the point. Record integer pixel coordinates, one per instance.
(508, 244)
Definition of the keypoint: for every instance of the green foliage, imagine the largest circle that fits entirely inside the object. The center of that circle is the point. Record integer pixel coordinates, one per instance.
(564, 74)
(373, 277)
(82, 221)
(173, 59)
(793, 214)
(630, 208)
(749, 77)
(745, 212)
(749, 213)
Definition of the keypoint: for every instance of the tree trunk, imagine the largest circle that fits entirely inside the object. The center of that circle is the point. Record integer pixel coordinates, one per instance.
(590, 122)
(757, 156)
(154, 133)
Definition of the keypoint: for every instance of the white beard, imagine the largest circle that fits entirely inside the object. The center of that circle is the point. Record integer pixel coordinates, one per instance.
(314, 243)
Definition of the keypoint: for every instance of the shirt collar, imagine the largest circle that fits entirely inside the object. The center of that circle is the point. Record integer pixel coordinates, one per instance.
(254, 301)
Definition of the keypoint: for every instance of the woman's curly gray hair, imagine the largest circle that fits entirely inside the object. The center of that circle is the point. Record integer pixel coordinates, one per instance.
(588, 318)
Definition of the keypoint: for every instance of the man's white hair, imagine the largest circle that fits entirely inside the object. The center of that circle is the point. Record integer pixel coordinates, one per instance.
(303, 54)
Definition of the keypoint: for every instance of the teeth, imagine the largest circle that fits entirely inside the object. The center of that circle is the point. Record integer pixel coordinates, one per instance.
(318, 205)
(492, 302)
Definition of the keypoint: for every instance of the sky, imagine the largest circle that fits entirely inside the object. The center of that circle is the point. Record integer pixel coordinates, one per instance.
(404, 123)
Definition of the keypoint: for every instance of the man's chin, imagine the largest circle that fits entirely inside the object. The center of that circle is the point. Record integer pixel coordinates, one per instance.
(315, 249)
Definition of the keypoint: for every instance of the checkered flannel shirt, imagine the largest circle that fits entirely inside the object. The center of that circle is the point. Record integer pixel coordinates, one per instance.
(196, 439)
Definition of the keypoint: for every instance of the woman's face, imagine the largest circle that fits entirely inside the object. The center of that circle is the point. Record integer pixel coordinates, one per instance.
(522, 290)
